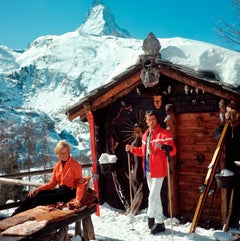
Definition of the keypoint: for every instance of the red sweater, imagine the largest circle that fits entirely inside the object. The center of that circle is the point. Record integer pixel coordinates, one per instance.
(70, 175)
(158, 160)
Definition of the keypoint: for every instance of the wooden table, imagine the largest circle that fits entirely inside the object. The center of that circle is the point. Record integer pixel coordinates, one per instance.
(84, 216)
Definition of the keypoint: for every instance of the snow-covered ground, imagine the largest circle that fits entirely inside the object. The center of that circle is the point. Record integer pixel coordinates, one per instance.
(115, 225)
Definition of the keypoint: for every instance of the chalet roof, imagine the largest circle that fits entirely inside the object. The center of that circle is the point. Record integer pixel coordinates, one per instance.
(129, 80)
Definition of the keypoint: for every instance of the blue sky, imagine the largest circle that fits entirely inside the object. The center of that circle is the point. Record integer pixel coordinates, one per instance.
(22, 21)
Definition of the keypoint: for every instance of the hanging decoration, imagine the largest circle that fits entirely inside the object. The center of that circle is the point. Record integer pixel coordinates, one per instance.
(150, 74)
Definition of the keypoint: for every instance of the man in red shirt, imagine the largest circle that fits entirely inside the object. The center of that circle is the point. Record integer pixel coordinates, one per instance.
(156, 141)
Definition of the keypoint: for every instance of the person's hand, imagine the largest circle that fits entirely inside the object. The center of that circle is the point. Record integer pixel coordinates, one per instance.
(167, 148)
(158, 145)
(74, 204)
(33, 193)
(77, 204)
(128, 148)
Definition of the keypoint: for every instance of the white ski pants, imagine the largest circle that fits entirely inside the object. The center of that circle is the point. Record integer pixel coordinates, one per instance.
(155, 209)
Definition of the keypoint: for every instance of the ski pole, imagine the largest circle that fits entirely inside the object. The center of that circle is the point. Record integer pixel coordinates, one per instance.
(169, 193)
(130, 186)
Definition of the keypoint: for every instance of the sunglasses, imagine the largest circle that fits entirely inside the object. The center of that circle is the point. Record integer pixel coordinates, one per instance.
(150, 112)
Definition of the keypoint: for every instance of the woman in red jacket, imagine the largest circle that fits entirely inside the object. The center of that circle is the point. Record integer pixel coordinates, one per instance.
(66, 183)
(156, 141)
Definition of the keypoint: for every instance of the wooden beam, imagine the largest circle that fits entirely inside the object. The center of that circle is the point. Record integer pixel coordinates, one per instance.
(105, 96)
(38, 172)
(79, 111)
(18, 182)
(7, 180)
(207, 86)
(29, 174)
(115, 92)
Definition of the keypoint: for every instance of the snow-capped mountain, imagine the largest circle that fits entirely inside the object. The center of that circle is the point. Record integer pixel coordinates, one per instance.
(100, 21)
(8, 59)
(54, 72)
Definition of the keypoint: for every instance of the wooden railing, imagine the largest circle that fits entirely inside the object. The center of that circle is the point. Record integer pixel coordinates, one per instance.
(12, 179)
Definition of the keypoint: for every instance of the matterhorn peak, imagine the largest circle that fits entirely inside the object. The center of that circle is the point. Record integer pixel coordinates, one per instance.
(100, 21)
(97, 2)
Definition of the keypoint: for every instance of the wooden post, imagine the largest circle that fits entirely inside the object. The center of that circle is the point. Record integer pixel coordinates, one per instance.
(171, 125)
(224, 191)
(61, 234)
(225, 226)
(87, 232)
(78, 228)
(88, 229)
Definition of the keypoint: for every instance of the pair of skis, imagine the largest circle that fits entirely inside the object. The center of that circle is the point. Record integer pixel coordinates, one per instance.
(209, 179)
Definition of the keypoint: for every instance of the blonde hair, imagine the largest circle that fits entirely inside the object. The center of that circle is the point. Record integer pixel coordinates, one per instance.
(62, 144)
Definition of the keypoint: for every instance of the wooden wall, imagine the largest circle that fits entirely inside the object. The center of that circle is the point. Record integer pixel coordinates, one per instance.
(196, 144)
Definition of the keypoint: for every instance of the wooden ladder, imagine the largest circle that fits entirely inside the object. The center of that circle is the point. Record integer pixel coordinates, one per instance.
(209, 179)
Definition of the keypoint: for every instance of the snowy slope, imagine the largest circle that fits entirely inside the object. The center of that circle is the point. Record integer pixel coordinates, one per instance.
(8, 59)
(76, 63)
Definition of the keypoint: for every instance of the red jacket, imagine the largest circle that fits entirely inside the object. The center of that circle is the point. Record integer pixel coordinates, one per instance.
(158, 159)
(70, 175)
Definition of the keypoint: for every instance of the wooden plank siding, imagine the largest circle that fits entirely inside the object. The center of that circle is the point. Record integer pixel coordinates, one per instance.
(196, 144)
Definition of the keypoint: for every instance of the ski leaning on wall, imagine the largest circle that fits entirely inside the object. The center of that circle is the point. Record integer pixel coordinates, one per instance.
(94, 155)
(209, 179)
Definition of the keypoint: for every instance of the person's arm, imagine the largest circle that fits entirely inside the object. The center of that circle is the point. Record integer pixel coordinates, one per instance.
(169, 145)
(53, 182)
(134, 150)
(79, 183)
(76, 203)
(50, 185)
(33, 193)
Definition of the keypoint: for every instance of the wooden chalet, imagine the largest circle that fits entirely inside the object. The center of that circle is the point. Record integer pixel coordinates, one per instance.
(190, 104)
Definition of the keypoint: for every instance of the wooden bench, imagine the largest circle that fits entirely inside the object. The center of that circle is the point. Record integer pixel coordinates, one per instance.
(83, 217)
